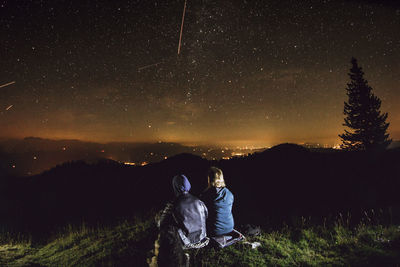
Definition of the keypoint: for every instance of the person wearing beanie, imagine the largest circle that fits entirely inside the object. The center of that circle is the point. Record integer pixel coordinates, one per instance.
(182, 225)
(189, 212)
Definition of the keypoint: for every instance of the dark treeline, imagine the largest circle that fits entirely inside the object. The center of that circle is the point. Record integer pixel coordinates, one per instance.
(270, 188)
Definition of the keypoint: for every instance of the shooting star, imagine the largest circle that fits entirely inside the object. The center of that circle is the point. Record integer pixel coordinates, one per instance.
(149, 66)
(7, 84)
(180, 35)
(9, 107)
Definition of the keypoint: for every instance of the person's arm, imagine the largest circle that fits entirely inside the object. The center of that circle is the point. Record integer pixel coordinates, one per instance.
(231, 198)
(205, 209)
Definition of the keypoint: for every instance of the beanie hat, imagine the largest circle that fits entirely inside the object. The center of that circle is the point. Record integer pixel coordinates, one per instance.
(180, 184)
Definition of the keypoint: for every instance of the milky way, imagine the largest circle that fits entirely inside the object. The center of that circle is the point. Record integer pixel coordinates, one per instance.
(248, 72)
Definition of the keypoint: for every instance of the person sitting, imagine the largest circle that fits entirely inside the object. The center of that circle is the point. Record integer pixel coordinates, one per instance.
(190, 213)
(219, 201)
(182, 225)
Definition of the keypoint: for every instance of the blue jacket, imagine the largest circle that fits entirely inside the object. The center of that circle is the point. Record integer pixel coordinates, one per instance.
(219, 203)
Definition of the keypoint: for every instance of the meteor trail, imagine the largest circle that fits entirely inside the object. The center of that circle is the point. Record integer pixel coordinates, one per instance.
(7, 84)
(149, 66)
(9, 107)
(180, 35)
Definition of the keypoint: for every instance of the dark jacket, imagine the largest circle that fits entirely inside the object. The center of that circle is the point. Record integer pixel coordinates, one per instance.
(219, 202)
(189, 212)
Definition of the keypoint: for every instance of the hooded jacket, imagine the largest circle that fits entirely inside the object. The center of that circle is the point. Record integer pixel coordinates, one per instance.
(219, 202)
(189, 212)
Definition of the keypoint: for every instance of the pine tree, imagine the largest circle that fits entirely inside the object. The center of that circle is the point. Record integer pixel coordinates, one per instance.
(368, 127)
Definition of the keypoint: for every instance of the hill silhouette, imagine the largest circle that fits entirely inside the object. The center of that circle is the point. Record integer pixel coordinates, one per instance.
(33, 155)
(270, 187)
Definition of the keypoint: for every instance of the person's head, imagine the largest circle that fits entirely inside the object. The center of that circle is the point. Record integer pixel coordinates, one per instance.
(180, 184)
(215, 177)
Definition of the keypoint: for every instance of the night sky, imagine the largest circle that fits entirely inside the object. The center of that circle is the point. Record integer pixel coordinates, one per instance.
(249, 72)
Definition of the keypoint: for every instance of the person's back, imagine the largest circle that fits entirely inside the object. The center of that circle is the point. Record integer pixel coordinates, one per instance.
(219, 201)
(182, 226)
(190, 213)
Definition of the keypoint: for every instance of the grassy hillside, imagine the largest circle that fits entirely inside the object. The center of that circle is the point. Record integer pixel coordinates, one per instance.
(130, 244)
(126, 244)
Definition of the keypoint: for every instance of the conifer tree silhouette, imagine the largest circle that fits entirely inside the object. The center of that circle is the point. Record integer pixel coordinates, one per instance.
(368, 127)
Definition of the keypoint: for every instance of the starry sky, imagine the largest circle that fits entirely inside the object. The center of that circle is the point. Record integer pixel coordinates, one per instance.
(253, 73)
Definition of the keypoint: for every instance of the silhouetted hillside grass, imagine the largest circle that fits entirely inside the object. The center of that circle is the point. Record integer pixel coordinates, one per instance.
(131, 244)
(127, 244)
